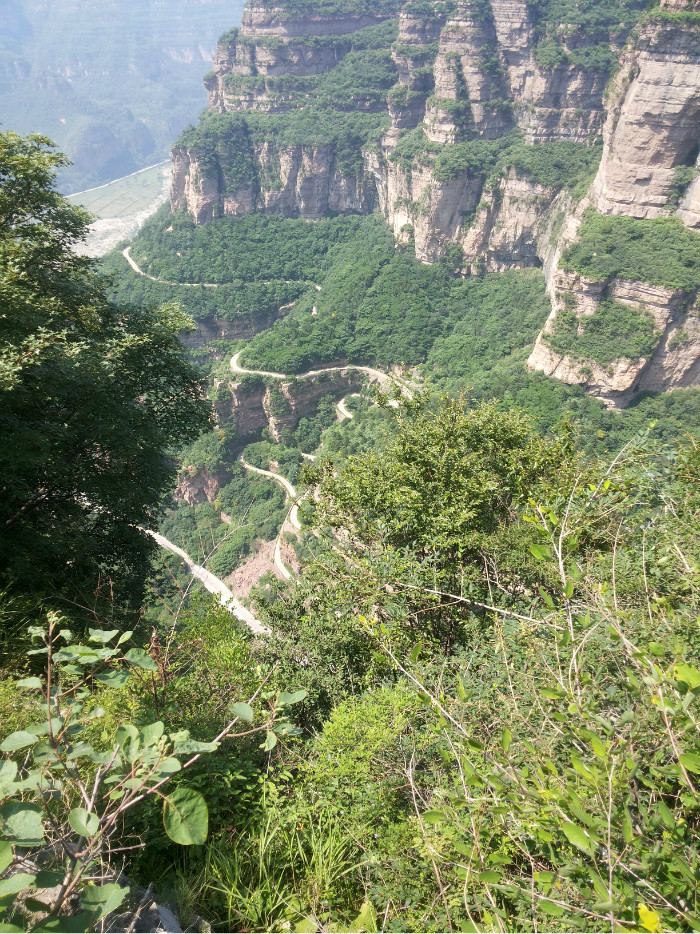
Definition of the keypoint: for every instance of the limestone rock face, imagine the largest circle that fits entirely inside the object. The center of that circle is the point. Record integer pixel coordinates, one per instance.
(653, 126)
(675, 362)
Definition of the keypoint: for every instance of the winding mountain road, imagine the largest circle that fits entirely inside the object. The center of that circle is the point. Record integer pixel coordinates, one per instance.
(292, 515)
(384, 379)
(214, 585)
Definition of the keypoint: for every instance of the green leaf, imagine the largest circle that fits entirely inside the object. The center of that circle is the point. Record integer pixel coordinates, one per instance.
(11, 928)
(270, 742)
(16, 883)
(551, 908)
(20, 823)
(83, 822)
(306, 926)
(18, 740)
(667, 816)
(689, 761)
(191, 746)
(99, 900)
(46, 879)
(8, 773)
(167, 767)
(569, 590)
(415, 652)
(113, 679)
(434, 817)
(506, 740)
(366, 920)
(490, 876)
(140, 659)
(125, 636)
(540, 552)
(545, 596)
(576, 836)
(285, 699)
(242, 711)
(655, 648)
(149, 735)
(6, 855)
(687, 674)
(627, 831)
(31, 683)
(186, 817)
(102, 635)
(82, 921)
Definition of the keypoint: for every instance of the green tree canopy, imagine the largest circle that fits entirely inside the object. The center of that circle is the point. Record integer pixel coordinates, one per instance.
(93, 396)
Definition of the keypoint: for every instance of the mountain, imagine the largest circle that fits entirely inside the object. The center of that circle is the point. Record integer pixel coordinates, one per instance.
(495, 133)
(112, 83)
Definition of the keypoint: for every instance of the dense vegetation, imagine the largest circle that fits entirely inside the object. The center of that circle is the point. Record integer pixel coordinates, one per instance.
(613, 331)
(94, 397)
(555, 165)
(660, 251)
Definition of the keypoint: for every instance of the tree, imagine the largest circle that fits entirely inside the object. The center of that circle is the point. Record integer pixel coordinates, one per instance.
(94, 396)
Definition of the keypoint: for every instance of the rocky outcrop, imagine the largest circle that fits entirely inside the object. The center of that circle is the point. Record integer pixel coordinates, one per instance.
(278, 405)
(197, 485)
(674, 363)
(653, 126)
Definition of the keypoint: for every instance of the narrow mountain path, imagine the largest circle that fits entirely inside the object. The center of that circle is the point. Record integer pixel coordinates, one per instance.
(214, 585)
(384, 379)
(343, 410)
(126, 253)
(292, 515)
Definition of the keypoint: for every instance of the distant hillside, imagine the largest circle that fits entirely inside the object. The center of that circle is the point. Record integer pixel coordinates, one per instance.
(111, 82)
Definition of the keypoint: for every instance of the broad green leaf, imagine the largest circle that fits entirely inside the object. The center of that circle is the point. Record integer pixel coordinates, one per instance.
(80, 922)
(16, 883)
(627, 831)
(6, 855)
(186, 817)
(31, 683)
(688, 675)
(576, 836)
(140, 659)
(490, 876)
(167, 767)
(365, 921)
(434, 817)
(415, 652)
(20, 823)
(540, 552)
(8, 773)
(150, 734)
(655, 648)
(285, 699)
(43, 729)
(99, 900)
(191, 746)
(102, 635)
(690, 761)
(125, 636)
(551, 908)
(569, 590)
(11, 928)
(270, 742)
(306, 926)
(551, 693)
(650, 920)
(46, 879)
(126, 733)
(84, 823)
(18, 740)
(112, 679)
(242, 711)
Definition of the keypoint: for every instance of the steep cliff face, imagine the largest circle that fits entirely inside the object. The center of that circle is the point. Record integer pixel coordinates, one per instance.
(650, 155)
(652, 128)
